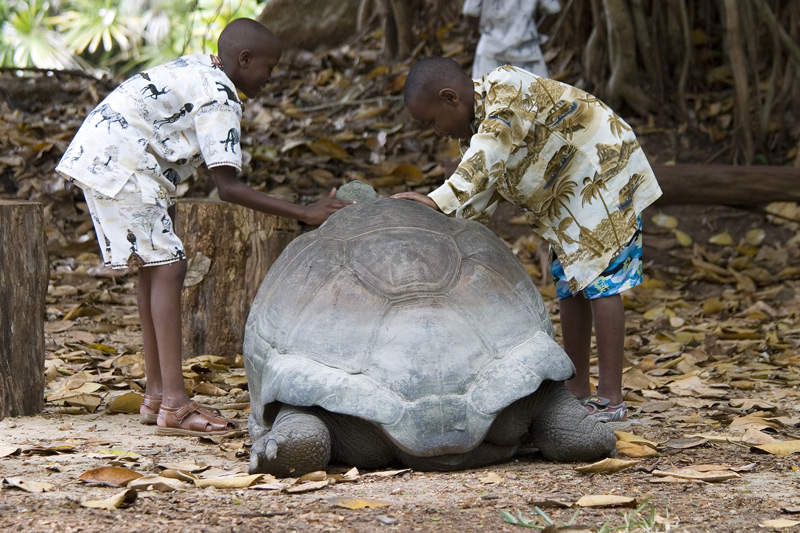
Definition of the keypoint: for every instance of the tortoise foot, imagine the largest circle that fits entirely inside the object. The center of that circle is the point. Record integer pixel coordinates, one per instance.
(298, 443)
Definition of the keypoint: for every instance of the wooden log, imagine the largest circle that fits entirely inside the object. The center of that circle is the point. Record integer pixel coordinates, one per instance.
(24, 273)
(726, 184)
(229, 249)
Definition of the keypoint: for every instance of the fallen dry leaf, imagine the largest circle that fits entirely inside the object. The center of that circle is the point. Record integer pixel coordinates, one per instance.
(307, 487)
(357, 503)
(157, 483)
(707, 473)
(630, 449)
(780, 523)
(7, 450)
(29, 486)
(387, 473)
(490, 479)
(605, 500)
(113, 476)
(228, 482)
(130, 402)
(607, 466)
(630, 437)
(783, 447)
(122, 499)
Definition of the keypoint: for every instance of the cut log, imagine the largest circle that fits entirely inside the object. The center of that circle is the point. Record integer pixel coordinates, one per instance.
(727, 185)
(24, 273)
(229, 249)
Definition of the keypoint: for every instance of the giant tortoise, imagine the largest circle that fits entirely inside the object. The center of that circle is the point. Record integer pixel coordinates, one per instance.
(396, 335)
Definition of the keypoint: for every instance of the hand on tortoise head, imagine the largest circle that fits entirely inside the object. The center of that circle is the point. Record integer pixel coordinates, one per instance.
(319, 211)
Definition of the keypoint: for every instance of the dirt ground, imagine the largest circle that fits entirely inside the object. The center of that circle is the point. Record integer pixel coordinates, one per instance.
(417, 501)
(753, 488)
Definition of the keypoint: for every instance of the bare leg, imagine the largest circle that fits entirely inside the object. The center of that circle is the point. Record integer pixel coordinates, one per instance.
(576, 330)
(152, 366)
(166, 282)
(609, 328)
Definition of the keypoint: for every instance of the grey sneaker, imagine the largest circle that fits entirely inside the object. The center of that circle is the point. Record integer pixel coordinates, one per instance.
(599, 408)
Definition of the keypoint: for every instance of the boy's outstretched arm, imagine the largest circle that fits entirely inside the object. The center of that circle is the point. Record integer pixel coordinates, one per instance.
(232, 189)
(417, 197)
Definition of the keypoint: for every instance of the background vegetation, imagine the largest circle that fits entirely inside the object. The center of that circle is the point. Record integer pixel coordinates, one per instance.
(111, 35)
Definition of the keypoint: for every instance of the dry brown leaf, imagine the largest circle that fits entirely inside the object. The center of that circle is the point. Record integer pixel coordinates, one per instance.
(748, 404)
(630, 437)
(328, 148)
(181, 475)
(605, 500)
(120, 500)
(130, 402)
(754, 437)
(491, 478)
(387, 473)
(607, 466)
(185, 466)
(780, 523)
(29, 486)
(630, 449)
(707, 473)
(783, 447)
(318, 475)
(307, 487)
(682, 444)
(157, 483)
(114, 476)
(357, 503)
(6, 450)
(228, 482)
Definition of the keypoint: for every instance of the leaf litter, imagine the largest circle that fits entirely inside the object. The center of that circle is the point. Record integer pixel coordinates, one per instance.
(711, 378)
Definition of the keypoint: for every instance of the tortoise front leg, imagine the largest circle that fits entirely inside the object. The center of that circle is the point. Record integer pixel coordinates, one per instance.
(563, 430)
(298, 443)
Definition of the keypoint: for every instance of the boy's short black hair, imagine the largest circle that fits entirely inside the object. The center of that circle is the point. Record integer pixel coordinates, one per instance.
(244, 33)
(429, 75)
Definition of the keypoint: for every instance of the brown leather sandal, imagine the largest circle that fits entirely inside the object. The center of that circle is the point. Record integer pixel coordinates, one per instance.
(148, 412)
(193, 420)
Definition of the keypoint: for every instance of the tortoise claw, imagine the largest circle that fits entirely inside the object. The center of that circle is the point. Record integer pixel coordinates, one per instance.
(271, 451)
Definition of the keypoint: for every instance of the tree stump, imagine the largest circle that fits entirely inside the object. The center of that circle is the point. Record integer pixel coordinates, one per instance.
(229, 249)
(24, 274)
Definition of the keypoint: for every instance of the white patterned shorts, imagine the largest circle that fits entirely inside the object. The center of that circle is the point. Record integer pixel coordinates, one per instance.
(130, 232)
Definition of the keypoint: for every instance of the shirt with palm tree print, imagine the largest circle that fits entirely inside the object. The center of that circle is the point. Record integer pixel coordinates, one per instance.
(565, 158)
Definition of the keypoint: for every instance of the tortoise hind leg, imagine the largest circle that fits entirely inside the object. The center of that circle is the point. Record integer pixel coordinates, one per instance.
(297, 443)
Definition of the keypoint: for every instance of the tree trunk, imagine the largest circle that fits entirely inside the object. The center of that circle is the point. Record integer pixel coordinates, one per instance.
(24, 275)
(741, 87)
(229, 249)
(727, 185)
(623, 82)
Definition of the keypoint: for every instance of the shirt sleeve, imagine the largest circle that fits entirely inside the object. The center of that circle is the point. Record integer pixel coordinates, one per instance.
(218, 127)
(471, 189)
(549, 7)
(472, 8)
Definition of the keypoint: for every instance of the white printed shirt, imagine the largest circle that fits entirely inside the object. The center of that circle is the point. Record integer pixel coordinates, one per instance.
(157, 127)
(509, 28)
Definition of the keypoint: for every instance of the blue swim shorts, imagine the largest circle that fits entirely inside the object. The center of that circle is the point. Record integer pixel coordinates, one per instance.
(624, 272)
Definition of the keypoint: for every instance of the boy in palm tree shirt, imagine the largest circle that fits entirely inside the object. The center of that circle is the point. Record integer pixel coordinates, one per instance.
(579, 175)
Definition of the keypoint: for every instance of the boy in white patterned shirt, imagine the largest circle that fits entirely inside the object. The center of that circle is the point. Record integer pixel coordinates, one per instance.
(129, 155)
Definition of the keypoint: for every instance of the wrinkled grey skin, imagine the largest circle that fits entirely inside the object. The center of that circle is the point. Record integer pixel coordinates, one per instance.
(394, 335)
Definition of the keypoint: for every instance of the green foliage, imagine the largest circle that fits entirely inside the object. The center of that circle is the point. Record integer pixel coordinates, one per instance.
(121, 36)
(641, 519)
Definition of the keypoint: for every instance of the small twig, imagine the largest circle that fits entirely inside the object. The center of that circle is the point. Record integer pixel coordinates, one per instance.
(330, 105)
